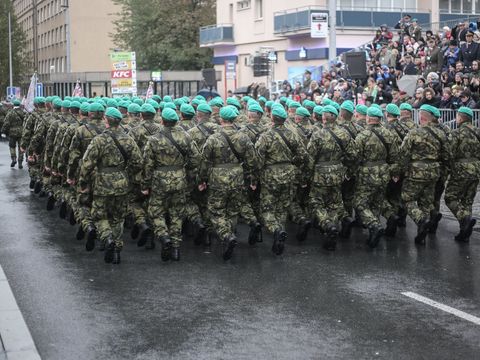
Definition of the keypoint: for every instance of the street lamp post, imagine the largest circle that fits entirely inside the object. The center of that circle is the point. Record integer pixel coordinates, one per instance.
(10, 48)
(332, 14)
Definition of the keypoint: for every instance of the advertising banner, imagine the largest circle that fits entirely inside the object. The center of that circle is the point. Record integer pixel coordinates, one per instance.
(123, 73)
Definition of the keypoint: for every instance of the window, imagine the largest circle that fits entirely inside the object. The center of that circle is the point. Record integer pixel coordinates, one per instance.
(230, 13)
(60, 34)
(459, 6)
(243, 5)
(378, 5)
(258, 9)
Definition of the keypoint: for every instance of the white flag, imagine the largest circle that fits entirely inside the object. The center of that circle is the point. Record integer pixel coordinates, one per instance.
(78, 92)
(28, 101)
(149, 91)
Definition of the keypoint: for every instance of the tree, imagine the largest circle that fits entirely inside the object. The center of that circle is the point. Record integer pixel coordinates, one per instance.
(18, 47)
(165, 33)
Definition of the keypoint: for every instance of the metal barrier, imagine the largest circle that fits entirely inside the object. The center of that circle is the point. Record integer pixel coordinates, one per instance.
(448, 116)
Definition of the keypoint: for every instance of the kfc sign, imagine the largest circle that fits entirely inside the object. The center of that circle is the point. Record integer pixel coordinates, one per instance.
(122, 74)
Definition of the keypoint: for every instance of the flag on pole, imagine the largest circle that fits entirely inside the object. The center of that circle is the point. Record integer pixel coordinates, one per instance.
(77, 92)
(27, 102)
(150, 90)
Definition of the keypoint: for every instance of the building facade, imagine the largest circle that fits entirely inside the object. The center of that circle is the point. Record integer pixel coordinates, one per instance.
(281, 30)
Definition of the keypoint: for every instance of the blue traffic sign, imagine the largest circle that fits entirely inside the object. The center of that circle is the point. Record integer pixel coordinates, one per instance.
(13, 92)
(39, 90)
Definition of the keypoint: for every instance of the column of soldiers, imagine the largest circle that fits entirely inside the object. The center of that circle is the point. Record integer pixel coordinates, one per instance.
(178, 168)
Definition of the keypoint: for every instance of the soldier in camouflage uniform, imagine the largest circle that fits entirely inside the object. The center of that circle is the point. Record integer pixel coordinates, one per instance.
(216, 104)
(406, 118)
(332, 156)
(228, 158)
(317, 117)
(13, 128)
(3, 113)
(187, 113)
(465, 172)
(280, 153)
(242, 118)
(167, 156)
(377, 157)
(84, 134)
(422, 156)
(111, 159)
(348, 187)
(138, 204)
(361, 116)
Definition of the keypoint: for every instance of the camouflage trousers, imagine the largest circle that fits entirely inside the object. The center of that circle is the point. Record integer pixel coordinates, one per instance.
(275, 203)
(108, 214)
(394, 197)
(83, 210)
(370, 202)
(171, 206)
(200, 199)
(439, 189)
(348, 194)
(326, 205)
(14, 145)
(418, 197)
(298, 210)
(137, 207)
(459, 196)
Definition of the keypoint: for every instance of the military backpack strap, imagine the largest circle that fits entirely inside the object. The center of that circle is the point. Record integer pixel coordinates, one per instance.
(120, 147)
(304, 131)
(170, 138)
(397, 131)
(336, 138)
(255, 134)
(382, 140)
(435, 136)
(148, 129)
(124, 128)
(285, 140)
(230, 144)
(353, 136)
(206, 132)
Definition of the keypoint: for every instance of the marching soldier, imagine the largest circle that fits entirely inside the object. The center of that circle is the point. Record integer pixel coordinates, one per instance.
(13, 128)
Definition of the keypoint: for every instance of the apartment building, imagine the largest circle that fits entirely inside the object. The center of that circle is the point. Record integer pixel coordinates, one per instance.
(281, 30)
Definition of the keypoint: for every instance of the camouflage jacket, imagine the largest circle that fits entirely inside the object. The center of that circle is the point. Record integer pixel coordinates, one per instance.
(186, 124)
(444, 134)
(361, 122)
(465, 152)
(378, 155)
(278, 162)
(421, 155)
(81, 139)
(352, 128)
(13, 124)
(51, 137)
(253, 131)
(37, 144)
(69, 120)
(64, 146)
(3, 113)
(165, 167)
(331, 159)
(304, 131)
(397, 127)
(29, 127)
(143, 131)
(222, 165)
(408, 122)
(215, 117)
(202, 131)
(104, 165)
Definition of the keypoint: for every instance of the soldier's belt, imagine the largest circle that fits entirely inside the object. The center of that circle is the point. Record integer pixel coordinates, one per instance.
(328, 163)
(280, 164)
(467, 160)
(425, 161)
(374, 163)
(111, 169)
(169, 168)
(227, 165)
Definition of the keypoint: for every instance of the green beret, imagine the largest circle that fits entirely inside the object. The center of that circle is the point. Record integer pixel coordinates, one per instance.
(69, 98)
(377, 106)
(17, 102)
(169, 114)
(96, 106)
(187, 109)
(301, 111)
(84, 107)
(123, 104)
(269, 104)
(466, 110)
(66, 104)
(318, 110)
(167, 99)
(134, 108)
(162, 104)
(112, 103)
(196, 102)
(406, 106)
(178, 102)
(75, 105)
(294, 105)
(217, 102)
(326, 101)
(200, 97)
(330, 109)
(235, 109)
(57, 103)
(156, 98)
(153, 103)
(113, 113)
(138, 101)
(361, 109)
(393, 109)
(147, 108)
(262, 99)
(233, 101)
(228, 113)
(309, 104)
(49, 99)
(279, 111)
(255, 108)
(170, 105)
(246, 98)
(100, 101)
(335, 105)
(283, 99)
(374, 112)
(204, 108)
(431, 109)
(40, 100)
(348, 105)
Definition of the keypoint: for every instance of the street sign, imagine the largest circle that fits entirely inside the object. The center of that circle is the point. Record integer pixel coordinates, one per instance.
(39, 89)
(123, 73)
(230, 69)
(13, 92)
(319, 25)
(156, 75)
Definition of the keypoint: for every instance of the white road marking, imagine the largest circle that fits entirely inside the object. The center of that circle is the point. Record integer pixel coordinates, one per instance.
(446, 308)
(15, 336)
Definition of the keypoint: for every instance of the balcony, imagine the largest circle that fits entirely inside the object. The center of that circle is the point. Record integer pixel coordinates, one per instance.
(295, 21)
(216, 35)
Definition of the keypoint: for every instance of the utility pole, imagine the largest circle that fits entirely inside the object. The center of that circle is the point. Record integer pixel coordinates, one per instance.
(332, 15)
(35, 35)
(10, 48)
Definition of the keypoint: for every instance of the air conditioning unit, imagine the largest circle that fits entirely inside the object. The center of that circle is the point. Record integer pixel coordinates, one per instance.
(249, 60)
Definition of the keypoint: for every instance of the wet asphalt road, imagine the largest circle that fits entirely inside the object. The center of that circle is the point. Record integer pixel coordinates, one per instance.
(307, 304)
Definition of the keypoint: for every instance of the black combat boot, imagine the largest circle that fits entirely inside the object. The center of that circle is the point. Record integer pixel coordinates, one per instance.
(466, 229)
(229, 243)
(375, 234)
(91, 236)
(20, 164)
(255, 233)
(13, 163)
(71, 217)
(199, 231)
(346, 231)
(116, 256)
(32, 184)
(145, 234)
(392, 224)
(175, 254)
(135, 231)
(422, 230)
(331, 242)
(50, 202)
(166, 247)
(63, 210)
(38, 187)
(109, 250)
(434, 220)
(402, 217)
(303, 228)
(80, 233)
(210, 238)
(279, 238)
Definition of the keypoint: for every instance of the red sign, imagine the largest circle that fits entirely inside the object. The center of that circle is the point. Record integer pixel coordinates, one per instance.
(122, 74)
